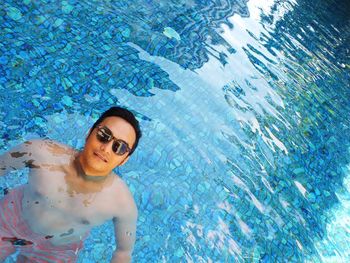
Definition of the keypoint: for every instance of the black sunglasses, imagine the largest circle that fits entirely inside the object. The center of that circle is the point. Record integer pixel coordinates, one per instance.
(105, 135)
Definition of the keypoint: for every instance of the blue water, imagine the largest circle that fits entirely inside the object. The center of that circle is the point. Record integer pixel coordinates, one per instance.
(244, 108)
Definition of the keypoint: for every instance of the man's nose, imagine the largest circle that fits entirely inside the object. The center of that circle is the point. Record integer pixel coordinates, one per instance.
(106, 147)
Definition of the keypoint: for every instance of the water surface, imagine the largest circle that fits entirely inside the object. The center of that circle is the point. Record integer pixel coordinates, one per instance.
(244, 108)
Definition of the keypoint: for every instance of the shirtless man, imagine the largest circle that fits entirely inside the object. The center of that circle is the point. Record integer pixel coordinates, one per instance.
(69, 192)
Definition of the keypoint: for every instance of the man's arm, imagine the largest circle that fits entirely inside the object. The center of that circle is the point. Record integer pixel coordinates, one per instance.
(125, 232)
(17, 158)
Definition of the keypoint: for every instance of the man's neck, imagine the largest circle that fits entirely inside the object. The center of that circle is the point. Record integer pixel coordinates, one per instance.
(82, 174)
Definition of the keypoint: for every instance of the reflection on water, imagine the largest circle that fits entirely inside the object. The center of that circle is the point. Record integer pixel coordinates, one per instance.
(244, 107)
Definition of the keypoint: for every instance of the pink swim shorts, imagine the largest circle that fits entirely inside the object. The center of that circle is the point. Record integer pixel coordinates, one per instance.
(15, 234)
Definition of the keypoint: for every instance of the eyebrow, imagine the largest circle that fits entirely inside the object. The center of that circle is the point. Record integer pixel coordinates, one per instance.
(109, 130)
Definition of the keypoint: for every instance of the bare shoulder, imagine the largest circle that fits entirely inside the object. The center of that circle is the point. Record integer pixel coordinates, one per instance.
(28, 150)
(48, 148)
(126, 203)
(47, 143)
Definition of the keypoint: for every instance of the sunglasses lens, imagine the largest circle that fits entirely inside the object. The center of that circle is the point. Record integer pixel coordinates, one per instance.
(119, 148)
(103, 136)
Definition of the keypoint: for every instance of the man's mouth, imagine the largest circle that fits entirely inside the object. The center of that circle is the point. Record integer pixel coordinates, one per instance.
(100, 156)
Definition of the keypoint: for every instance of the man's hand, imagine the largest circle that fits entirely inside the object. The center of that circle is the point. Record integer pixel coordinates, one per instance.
(120, 256)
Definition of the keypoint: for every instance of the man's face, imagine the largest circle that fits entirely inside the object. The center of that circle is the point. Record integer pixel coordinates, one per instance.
(97, 157)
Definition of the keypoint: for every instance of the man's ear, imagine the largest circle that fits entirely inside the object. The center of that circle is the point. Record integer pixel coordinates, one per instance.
(88, 134)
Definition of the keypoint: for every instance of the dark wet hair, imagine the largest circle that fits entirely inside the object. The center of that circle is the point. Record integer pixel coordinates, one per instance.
(126, 115)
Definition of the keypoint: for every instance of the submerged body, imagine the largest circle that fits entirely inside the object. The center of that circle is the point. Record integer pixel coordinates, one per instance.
(59, 203)
(62, 202)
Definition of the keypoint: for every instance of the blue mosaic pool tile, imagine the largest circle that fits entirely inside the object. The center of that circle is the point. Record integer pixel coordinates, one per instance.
(3, 60)
(14, 13)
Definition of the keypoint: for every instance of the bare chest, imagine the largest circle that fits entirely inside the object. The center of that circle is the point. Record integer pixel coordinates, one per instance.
(54, 205)
(70, 204)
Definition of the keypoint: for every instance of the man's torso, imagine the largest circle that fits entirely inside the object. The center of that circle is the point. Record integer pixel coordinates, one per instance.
(60, 204)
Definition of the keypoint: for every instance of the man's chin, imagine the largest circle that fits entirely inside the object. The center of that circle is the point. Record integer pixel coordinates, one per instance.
(96, 169)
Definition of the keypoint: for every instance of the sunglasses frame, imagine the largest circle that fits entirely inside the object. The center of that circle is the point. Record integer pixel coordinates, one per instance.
(115, 140)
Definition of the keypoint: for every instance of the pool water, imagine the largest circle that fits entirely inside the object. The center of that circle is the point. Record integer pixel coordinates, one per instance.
(244, 107)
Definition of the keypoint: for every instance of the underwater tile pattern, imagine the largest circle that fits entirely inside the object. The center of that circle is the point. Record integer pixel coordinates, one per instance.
(245, 117)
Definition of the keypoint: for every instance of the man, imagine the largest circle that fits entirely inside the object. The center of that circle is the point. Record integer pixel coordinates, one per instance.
(69, 192)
